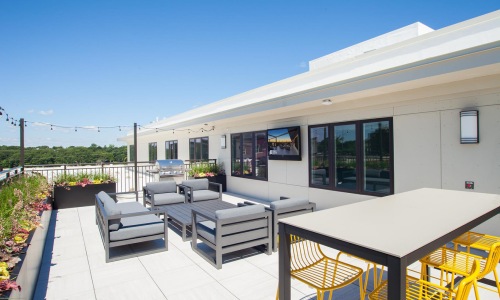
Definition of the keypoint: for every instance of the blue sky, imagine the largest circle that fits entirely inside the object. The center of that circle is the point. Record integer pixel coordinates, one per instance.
(111, 63)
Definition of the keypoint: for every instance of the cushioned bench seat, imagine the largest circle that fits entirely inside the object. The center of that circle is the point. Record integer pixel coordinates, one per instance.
(134, 227)
(128, 223)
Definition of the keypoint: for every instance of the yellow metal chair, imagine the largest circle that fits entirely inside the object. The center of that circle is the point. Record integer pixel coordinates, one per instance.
(377, 276)
(310, 265)
(476, 240)
(419, 289)
(452, 262)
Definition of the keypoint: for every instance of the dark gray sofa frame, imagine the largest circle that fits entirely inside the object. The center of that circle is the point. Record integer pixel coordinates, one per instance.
(102, 220)
(232, 234)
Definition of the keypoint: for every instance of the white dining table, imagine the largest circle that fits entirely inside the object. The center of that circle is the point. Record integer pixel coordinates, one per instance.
(393, 231)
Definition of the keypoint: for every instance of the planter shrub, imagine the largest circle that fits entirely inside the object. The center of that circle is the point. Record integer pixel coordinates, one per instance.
(77, 190)
(22, 199)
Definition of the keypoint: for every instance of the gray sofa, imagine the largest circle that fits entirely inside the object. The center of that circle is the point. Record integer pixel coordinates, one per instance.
(230, 230)
(201, 189)
(128, 223)
(162, 193)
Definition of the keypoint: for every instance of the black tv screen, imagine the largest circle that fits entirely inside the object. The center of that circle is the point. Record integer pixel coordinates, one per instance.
(284, 143)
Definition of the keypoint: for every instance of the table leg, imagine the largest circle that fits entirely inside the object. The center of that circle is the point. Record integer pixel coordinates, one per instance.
(396, 273)
(284, 263)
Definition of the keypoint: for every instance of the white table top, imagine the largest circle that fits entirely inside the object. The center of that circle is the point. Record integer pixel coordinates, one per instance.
(398, 224)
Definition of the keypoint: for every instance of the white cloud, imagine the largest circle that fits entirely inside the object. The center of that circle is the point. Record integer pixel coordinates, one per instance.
(31, 111)
(303, 64)
(46, 112)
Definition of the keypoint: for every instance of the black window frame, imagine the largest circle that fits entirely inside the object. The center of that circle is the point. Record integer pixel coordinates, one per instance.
(254, 155)
(153, 155)
(173, 150)
(192, 150)
(360, 176)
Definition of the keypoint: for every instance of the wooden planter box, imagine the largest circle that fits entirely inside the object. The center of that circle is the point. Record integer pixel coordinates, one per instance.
(218, 179)
(78, 196)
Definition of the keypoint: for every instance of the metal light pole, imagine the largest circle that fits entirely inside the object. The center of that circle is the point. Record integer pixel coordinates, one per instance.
(21, 156)
(135, 164)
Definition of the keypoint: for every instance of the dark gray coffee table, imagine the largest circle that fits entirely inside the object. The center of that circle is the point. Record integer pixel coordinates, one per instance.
(180, 216)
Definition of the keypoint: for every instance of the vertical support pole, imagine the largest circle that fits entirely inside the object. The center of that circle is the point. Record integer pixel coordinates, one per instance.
(21, 130)
(396, 270)
(284, 263)
(135, 164)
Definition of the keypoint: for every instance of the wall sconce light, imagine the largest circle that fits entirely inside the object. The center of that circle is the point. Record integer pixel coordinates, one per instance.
(469, 127)
(223, 142)
(327, 102)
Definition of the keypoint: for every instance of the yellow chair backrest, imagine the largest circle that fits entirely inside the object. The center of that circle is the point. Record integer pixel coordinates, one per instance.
(468, 282)
(492, 260)
(303, 253)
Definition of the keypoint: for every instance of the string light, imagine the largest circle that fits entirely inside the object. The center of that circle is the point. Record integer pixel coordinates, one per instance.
(15, 122)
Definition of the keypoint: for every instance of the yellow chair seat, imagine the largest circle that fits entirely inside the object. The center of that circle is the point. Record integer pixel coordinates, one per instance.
(476, 240)
(418, 289)
(327, 274)
(308, 264)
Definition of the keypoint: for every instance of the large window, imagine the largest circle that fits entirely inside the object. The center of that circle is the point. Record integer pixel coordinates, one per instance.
(249, 155)
(171, 150)
(153, 151)
(352, 157)
(198, 149)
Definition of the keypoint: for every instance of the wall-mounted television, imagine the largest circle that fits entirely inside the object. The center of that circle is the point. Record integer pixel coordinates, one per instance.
(284, 143)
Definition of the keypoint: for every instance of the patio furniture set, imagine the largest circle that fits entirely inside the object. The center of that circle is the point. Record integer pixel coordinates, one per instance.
(196, 210)
(199, 214)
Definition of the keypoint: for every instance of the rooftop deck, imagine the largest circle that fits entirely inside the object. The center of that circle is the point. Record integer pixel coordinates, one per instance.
(74, 268)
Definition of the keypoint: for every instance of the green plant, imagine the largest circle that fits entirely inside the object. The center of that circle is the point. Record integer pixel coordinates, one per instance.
(22, 198)
(82, 179)
(204, 169)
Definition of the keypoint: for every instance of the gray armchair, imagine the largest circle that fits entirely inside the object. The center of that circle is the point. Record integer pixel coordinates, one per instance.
(288, 207)
(128, 223)
(283, 208)
(230, 230)
(201, 189)
(162, 193)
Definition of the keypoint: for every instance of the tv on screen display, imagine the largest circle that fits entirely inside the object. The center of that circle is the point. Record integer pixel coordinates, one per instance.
(284, 143)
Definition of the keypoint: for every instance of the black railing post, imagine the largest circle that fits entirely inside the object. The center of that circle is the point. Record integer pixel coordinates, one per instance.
(135, 164)
(21, 130)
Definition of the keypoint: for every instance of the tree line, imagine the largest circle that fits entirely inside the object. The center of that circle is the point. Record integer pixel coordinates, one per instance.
(44, 155)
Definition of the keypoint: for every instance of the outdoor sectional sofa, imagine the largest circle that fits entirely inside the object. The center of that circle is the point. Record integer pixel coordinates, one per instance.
(230, 230)
(128, 223)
